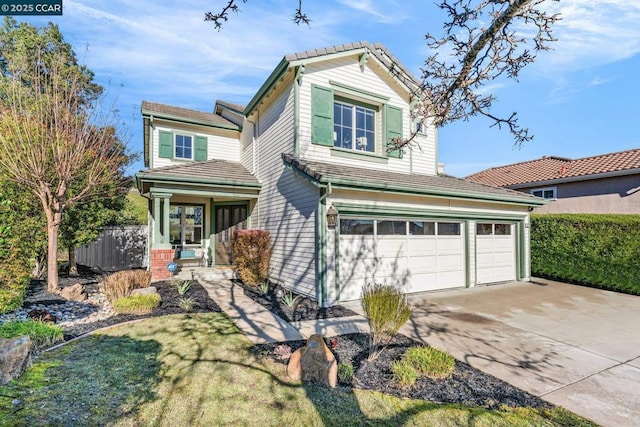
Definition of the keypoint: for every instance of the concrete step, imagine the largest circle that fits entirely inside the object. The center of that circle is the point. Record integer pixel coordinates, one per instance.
(209, 274)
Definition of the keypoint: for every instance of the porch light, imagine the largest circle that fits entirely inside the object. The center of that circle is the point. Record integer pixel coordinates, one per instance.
(332, 217)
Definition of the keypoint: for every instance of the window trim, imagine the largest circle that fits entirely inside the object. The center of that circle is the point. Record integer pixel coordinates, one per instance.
(353, 106)
(543, 189)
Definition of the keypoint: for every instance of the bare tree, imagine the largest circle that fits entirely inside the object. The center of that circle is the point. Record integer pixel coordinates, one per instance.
(59, 145)
(483, 40)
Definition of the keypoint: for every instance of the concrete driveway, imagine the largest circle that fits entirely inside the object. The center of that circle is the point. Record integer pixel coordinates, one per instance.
(573, 346)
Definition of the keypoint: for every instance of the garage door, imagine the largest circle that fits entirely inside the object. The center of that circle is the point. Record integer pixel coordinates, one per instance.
(417, 255)
(495, 253)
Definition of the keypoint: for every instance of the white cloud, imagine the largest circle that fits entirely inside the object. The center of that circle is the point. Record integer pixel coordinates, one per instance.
(592, 33)
(384, 12)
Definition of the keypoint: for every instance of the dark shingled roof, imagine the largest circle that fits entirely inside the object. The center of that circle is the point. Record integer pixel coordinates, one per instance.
(179, 113)
(552, 168)
(232, 106)
(216, 171)
(415, 183)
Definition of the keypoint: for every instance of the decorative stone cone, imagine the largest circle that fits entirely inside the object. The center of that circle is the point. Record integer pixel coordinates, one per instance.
(314, 363)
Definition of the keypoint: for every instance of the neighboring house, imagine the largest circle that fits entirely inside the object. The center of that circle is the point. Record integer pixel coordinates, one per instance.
(314, 142)
(603, 184)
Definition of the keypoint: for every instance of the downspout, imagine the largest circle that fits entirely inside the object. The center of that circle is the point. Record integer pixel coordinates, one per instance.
(296, 110)
(321, 247)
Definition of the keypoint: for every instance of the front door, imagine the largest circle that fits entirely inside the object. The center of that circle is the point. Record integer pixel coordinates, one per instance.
(228, 219)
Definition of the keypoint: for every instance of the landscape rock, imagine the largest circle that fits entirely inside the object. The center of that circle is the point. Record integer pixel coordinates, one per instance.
(74, 293)
(144, 291)
(42, 315)
(314, 363)
(15, 357)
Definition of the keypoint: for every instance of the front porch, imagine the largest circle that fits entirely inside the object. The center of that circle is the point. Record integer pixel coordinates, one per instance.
(208, 274)
(192, 218)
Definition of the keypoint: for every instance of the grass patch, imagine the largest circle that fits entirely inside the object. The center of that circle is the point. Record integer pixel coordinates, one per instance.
(138, 304)
(404, 374)
(200, 370)
(42, 334)
(430, 361)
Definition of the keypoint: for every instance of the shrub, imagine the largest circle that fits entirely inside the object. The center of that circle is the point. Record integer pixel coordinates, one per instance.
(430, 361)
(121, 283)
(596, 250)
(42, 334)
(404, 374)
(386, 308)
(251, 254)
(14, 280)
(345, 372)
(138, 304)
(288, 299)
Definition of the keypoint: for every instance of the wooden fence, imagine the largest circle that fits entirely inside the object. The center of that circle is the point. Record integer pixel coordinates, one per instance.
(117, 248)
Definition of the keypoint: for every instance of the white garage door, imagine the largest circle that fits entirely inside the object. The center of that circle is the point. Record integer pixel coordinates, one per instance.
(416, 255)
(495, 253)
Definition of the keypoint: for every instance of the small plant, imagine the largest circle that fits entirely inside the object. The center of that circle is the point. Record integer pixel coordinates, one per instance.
(186, 303)
(430, 361)
(404, 374)
(345, 372)
(386, 308)
(121, 283)
(41, 334)
(251, 253)
(183, 287)
(264, 286)
(288, 299)
(138, 304)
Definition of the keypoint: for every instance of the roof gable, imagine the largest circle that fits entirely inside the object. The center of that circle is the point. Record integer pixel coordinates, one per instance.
(559, 168)
(377, 51)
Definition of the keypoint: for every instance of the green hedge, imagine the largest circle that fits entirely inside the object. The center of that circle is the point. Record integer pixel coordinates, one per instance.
(595, 250)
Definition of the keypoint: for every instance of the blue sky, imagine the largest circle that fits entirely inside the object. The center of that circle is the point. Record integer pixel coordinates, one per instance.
(580, 99)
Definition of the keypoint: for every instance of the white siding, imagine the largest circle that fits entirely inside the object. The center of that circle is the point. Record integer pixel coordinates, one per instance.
(373, 79)
(247, 146)
(223, 145)
(287, 204)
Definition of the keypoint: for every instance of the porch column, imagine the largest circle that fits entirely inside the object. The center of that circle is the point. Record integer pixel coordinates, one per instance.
(161, 251)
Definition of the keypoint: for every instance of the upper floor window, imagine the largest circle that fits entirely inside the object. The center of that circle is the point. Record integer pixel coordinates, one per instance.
(183, 147)
(353, 127)
(546, 193)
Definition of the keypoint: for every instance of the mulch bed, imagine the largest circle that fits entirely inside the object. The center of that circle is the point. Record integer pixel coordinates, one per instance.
(304, 308)
(467, 386)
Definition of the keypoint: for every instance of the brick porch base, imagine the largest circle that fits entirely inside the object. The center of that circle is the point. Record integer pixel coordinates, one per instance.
(159, 260)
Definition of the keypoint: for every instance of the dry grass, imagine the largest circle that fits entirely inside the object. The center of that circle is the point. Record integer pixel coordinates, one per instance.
(121, 283)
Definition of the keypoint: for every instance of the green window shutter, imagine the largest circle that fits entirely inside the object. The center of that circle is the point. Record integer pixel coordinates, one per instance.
(166, 145)
(322, 115)
(394, 129)
(201, 143)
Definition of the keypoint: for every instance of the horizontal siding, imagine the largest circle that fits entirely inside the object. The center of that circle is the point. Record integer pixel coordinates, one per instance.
(221, 147)
(347, 71)
(287, 203)
(247, 146)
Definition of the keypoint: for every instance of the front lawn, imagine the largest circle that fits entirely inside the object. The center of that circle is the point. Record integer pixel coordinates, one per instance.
(198, 369)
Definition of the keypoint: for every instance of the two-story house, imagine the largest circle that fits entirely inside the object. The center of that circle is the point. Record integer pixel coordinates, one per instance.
(310, 149)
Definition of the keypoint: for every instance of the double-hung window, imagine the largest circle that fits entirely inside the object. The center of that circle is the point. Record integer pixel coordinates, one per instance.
(183, 147)
(353, 126)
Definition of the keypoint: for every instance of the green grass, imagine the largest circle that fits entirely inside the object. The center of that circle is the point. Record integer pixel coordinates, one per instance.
(138, 304)
(430, 361)
(41, 333)
(404, 374)
(188, 370)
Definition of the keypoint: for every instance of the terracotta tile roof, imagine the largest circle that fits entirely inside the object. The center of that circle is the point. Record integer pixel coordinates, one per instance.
(552, 168)
(377, 49)
(169, 111)
(213, 171)
(411, 183)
